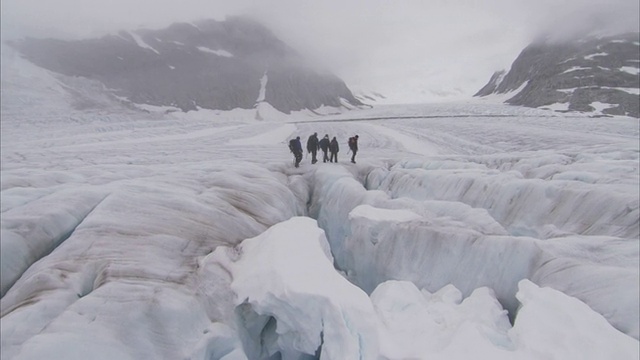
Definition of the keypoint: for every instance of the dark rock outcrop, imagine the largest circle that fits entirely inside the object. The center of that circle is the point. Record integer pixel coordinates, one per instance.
(208, 64)
(578, 74)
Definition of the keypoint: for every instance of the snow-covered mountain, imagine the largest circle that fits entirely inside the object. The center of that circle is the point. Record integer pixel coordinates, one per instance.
(368, 97)
(219, 65)
(596, 75)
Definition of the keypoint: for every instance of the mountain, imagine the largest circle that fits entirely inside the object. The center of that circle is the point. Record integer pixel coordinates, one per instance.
(590, 75)
(220, 65)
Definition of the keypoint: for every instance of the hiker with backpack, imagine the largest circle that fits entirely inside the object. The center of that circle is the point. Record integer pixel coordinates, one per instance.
(324, 145)
(313, 146)
(333, 149)
(296, 148)
(353, 146)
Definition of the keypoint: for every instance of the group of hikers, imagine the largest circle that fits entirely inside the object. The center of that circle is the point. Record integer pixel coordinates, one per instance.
(313, 145)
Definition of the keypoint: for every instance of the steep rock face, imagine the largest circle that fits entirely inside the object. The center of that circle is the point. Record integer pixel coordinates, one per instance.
(209, 64)
(598, 74)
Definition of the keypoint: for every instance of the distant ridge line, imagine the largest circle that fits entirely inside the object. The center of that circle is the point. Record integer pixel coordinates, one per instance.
(430, 117)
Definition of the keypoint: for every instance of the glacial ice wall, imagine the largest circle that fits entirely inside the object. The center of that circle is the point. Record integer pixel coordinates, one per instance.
(524, 206)
(134, 250)
(480, 226)
(300, 307)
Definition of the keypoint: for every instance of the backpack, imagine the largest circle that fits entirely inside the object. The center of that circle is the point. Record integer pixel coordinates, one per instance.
(352, 142)
(291, 146)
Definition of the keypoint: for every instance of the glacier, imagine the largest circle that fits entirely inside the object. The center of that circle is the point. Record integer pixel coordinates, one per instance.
(466, 229)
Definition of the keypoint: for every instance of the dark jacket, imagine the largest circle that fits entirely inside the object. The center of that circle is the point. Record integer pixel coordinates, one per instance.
(295, 146)
(333, 146)
(353, 144)
(324, 144)
(312, 143)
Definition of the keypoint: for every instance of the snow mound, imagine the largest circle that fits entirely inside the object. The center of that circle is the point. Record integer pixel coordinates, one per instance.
(298, 306)
(287, 274)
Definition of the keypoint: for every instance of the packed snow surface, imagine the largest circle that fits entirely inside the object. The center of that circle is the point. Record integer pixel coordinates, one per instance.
(464, 230)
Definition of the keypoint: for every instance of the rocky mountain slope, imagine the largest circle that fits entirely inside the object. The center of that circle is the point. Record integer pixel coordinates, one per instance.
(221, 65)
(598, 75)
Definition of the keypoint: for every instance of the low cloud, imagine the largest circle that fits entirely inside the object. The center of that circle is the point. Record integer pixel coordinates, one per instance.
(443, 46)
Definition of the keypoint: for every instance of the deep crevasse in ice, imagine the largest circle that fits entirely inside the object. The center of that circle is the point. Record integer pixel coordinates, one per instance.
(464, 233)
(302, 308)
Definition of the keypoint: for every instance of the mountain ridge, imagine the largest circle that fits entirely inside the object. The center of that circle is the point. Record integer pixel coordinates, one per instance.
(588, 75)
(218, 65)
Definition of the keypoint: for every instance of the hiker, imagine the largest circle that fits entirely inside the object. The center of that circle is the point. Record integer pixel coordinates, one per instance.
(312, 147)
(324, 145)
(353, 146)
(334, 148)
(296, 148)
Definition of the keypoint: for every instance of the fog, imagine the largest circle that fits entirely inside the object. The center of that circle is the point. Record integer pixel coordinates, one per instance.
(409, 49)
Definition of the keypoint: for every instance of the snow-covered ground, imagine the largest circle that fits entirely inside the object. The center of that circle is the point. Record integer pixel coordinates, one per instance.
(465, 230)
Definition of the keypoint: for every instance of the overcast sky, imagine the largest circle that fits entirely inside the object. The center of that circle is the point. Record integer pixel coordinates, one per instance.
(410, 49)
